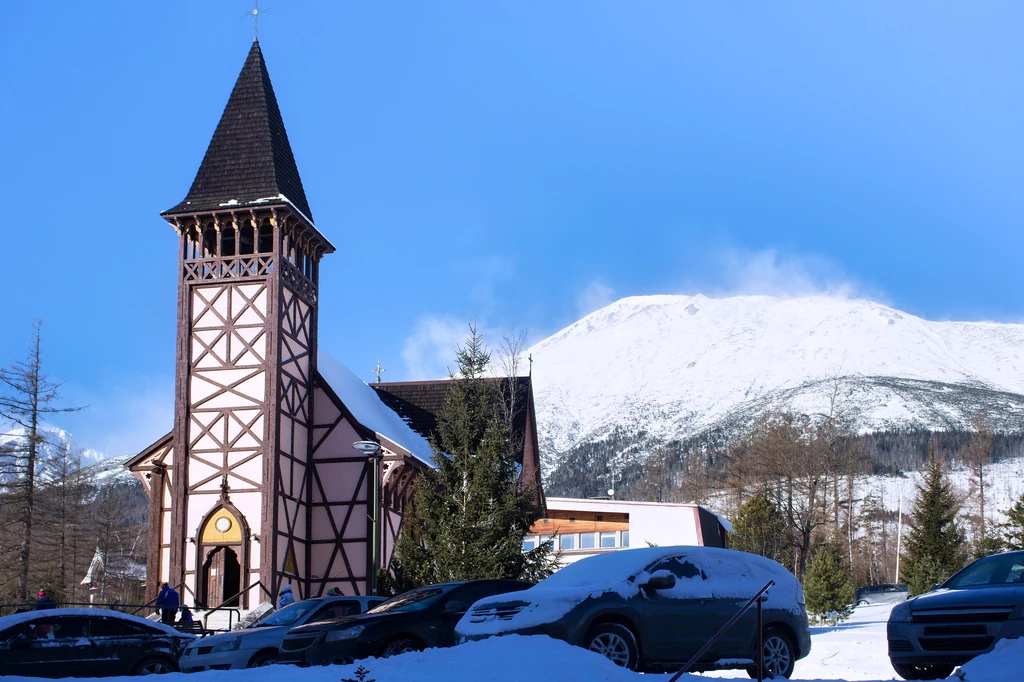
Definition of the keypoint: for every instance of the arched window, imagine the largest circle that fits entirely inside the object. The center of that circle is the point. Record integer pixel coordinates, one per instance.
(209, 241)
(191, 242)
(245, 239)
(266, 237)
(300, 257)
(227, 241)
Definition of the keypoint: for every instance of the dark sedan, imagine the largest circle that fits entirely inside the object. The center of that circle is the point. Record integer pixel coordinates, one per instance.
(964, 617)
(412, 621)
(87, 643)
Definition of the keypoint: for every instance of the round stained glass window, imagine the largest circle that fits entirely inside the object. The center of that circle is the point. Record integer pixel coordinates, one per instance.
(223, 524)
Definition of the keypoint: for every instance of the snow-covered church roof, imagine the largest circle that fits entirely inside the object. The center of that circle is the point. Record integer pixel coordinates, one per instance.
(368, 409)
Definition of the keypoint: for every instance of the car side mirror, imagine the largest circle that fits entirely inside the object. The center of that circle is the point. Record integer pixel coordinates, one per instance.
(933, 587)
(660, 580)
(455, 606)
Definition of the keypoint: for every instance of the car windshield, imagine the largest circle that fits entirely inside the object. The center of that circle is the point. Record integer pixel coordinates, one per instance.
(1001, 569)
(289, 615)
(414, 600)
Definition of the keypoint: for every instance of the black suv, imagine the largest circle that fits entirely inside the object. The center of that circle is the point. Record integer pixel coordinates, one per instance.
(418, 619)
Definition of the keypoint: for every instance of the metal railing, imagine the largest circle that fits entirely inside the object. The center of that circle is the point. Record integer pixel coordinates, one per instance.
(758, 654)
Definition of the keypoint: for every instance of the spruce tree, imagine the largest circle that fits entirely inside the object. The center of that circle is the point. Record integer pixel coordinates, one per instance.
(1013, 529)
(827, 585)
(934, 545)
(471, 512)
(759, 528)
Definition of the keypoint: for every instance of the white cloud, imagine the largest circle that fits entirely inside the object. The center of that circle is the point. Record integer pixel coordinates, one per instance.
(429, 352)
(594, 296)
(768, 272)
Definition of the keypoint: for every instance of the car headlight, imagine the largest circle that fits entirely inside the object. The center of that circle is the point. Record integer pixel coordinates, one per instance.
(900, 613)
(347, 633)
(228, 645)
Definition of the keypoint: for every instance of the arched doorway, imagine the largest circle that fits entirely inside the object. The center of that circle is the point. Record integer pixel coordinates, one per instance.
(222, 559)
(222, 577)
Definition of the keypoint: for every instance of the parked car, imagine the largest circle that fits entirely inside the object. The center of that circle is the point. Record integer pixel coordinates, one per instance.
(257, 645)
(881, 594)
(87, 643)
(964, 617)
(651, 609)
(418, 619)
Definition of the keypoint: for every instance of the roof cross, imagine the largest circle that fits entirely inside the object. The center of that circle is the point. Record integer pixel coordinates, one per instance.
(255, 14)
(378, 370)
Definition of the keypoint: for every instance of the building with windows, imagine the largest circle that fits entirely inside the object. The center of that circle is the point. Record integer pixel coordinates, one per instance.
(582, 528)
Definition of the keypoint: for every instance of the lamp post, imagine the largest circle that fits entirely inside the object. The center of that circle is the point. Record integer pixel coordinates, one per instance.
(372, 450)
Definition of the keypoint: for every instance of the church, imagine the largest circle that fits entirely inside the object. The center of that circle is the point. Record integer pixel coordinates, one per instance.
(281, 466)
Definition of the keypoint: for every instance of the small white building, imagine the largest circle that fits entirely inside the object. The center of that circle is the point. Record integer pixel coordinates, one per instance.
(583, 528)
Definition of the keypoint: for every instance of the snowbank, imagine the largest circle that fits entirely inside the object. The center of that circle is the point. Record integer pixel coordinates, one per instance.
(1002, 664)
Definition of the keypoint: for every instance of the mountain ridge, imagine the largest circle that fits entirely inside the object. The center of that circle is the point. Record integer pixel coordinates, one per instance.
(675, 365)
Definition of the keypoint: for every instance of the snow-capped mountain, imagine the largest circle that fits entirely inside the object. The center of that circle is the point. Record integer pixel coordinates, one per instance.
(674, 366)
(54, 439)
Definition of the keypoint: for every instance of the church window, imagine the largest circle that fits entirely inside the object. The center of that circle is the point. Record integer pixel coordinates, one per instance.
(266, 238)
(245, 239)
(191, 243)
(227, 241)
(300, 259)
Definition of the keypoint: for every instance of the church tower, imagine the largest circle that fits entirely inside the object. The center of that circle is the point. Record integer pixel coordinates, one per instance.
(248, 262)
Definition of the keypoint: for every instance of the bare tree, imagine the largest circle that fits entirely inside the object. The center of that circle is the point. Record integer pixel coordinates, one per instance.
(976, 455)
(28, 399)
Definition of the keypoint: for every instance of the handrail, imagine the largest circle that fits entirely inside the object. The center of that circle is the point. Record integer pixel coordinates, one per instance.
(231, 609)
(758, 654)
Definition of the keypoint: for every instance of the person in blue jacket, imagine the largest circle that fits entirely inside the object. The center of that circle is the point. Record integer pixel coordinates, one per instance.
(167, 603)
(286, 597)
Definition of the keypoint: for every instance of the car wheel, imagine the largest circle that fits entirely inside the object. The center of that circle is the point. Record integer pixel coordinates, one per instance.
(155, 666)
(261, 659)
(922, 672)
(862, 603)
(399, 646)
(779, 655)
(615, 642)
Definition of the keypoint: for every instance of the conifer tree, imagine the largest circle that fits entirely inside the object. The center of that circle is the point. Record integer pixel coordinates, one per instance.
(827, 585)
(472, 512)
(934, 545)
(1013, 529)
(759, 528)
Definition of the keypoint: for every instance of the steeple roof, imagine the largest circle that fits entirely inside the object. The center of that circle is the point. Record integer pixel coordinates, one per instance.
(249, 160)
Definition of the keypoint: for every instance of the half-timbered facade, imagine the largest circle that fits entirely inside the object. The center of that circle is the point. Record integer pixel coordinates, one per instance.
(258, 483)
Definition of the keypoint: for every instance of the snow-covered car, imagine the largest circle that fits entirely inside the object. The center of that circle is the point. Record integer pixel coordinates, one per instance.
(87, 643)
(881, 594)
(651, 609)
(964, 617)
(258, 644)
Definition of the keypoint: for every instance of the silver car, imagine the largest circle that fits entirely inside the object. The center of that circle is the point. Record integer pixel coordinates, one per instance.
(258, 644)
(881, 594)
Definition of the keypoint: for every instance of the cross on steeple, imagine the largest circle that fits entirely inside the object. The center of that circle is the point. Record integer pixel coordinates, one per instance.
(255, 14)
(378, 370)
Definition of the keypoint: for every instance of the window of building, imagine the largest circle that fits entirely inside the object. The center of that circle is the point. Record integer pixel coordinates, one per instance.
(529, 543)
(567, 541)
(588, 540)
(544, 539)
(608, 540)
(625, 538)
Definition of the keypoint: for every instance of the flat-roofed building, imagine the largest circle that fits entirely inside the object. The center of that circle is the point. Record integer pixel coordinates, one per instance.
(585, 527)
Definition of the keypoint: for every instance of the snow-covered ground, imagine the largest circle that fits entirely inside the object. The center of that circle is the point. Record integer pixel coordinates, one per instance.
(854, 651)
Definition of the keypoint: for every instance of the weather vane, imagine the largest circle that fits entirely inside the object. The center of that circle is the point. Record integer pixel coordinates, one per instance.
(378, 370)
(255, 15)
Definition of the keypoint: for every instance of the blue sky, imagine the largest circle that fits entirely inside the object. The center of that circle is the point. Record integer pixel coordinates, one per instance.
(525, 162)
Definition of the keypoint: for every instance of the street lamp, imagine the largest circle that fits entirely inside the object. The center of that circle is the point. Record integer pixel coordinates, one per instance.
(372, 450)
